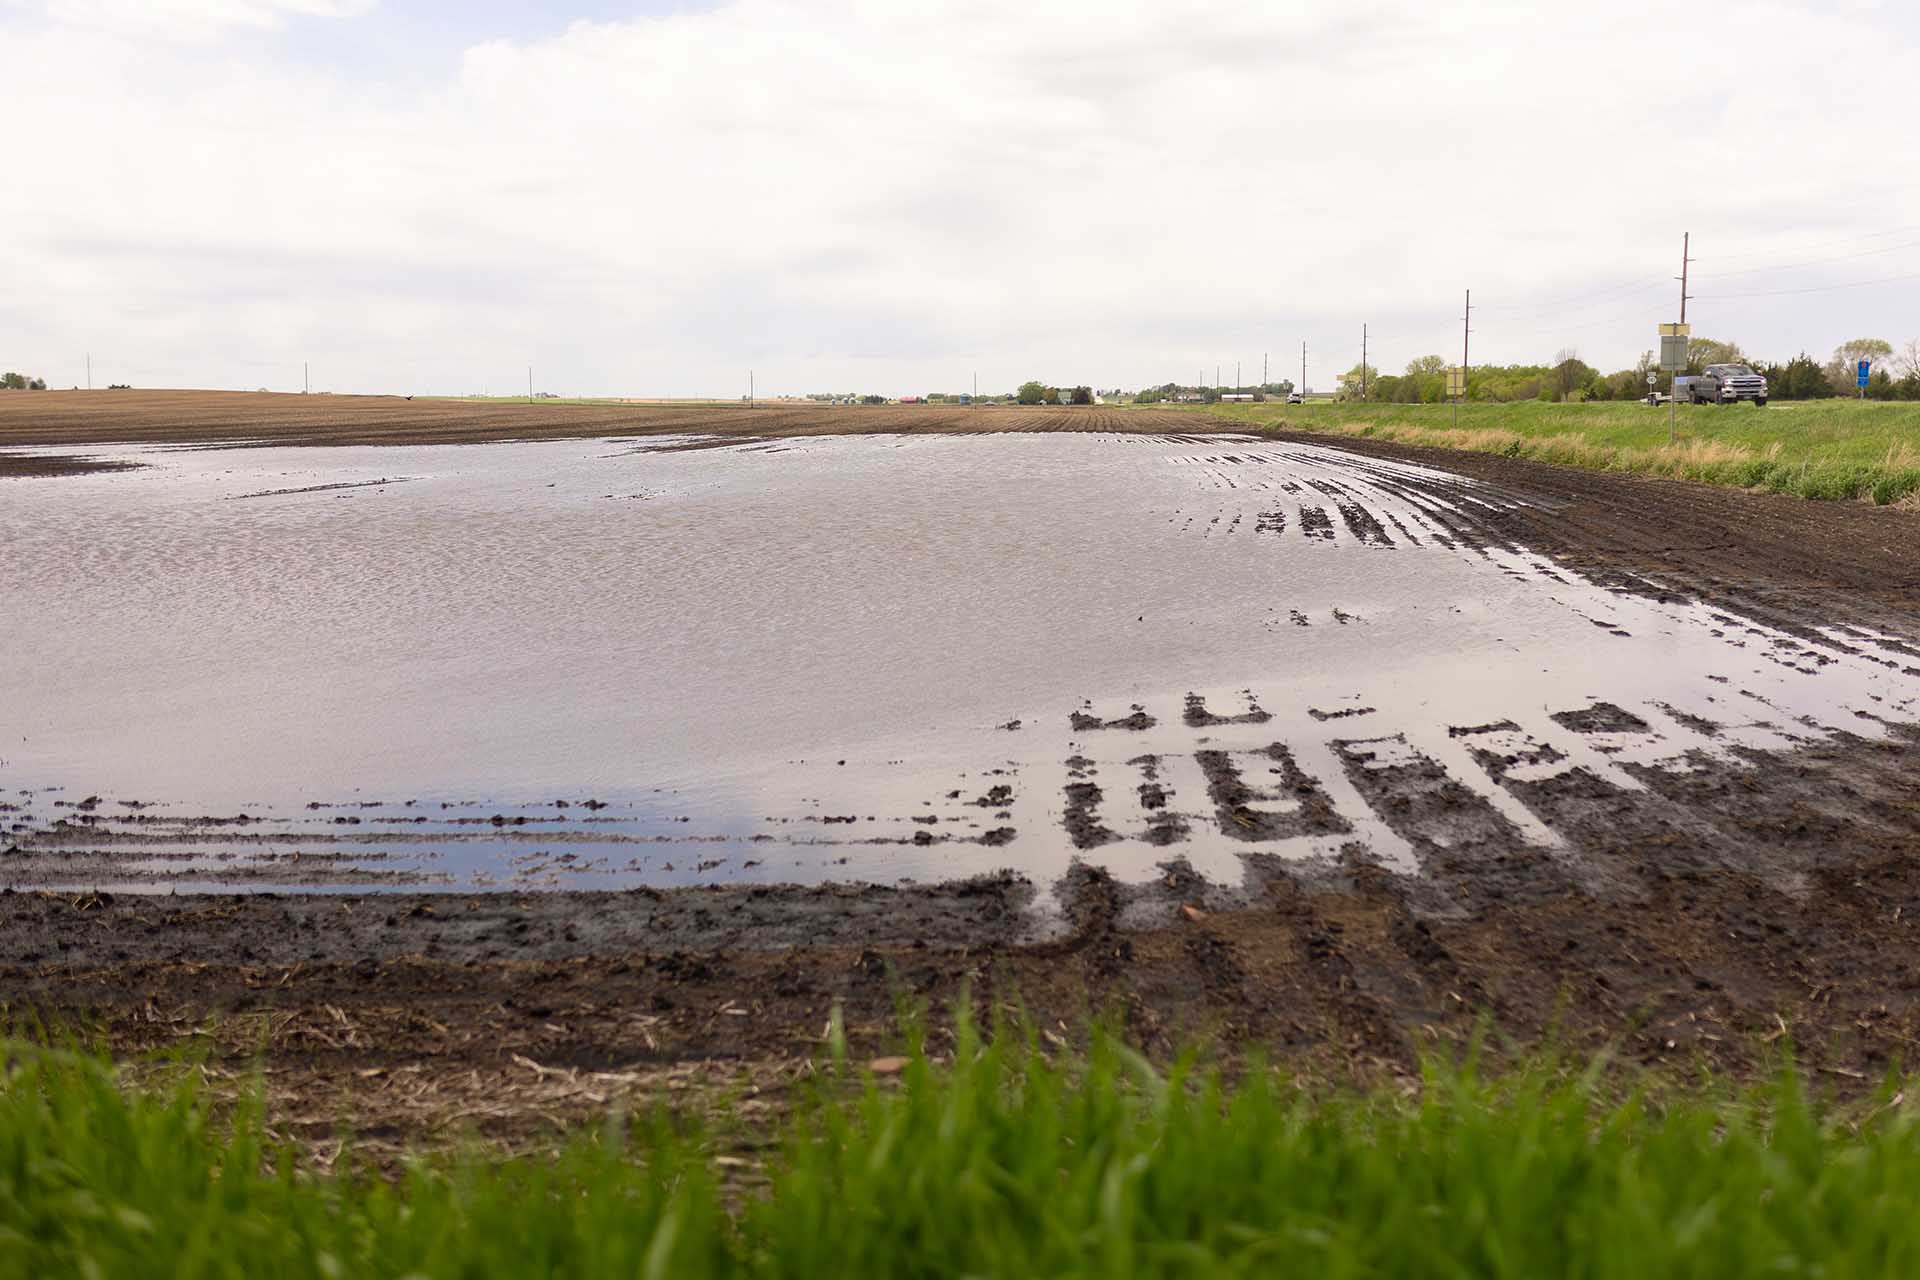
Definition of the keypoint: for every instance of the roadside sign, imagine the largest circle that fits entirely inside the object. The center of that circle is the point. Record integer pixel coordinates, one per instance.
(1673, 350)
(1676, 331)
(1456, 383)
(1861, 375)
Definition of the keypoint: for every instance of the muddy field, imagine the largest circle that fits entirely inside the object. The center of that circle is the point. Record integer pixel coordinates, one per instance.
(1695, 834)
(227, 417)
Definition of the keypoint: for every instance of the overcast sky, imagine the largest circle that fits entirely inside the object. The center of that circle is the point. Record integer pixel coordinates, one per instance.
(651, 198)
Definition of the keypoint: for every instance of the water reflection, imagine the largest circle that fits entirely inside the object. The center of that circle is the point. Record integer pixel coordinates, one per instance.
(798, 662)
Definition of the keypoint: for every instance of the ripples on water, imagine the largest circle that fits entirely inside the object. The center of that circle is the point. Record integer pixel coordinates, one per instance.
(427, 679)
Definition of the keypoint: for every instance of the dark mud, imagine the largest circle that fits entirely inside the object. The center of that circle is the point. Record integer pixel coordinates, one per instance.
(1699, 913)
(1770, 554)
(244, 419)
(408, 1014)
(1264, 795)
(54, 931)
(59, 464)
(1198, 716)
(1137, 720)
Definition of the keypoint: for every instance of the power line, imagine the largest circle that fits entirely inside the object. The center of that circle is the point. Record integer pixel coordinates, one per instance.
(1815, 262)
(1818, 288)
(1638, 286)
(1818, 244)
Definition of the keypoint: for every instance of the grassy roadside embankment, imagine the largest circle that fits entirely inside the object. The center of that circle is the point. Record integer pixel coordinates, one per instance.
(1000, 1162)
(1835, 449)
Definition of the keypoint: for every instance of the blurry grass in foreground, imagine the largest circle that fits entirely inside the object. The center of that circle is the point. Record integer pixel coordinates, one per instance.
(1835, 449)
(1001, 1163)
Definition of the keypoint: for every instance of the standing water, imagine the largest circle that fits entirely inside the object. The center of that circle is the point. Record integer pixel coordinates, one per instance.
(601, 663)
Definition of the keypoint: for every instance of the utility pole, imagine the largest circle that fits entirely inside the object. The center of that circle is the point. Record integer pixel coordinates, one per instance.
(1686, 241)
(529, 384)
(749, 388)
(1303, 373)
(1686, 257)
(1466, 333)
(1363, 361)
(1237, 383)
(1263, 373)
(89, 370)
(306, 380)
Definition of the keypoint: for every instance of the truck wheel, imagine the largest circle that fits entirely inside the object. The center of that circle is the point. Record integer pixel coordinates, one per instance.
(1761, 403)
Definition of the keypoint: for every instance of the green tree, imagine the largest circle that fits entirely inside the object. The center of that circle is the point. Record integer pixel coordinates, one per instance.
(1571, 374)
(1702, 352)
(1031, 393)
(1841, 370)
(1361, 375)
(1801, 378)
(1082, 395)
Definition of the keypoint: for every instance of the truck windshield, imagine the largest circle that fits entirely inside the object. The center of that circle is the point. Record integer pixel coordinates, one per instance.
(1733, 371)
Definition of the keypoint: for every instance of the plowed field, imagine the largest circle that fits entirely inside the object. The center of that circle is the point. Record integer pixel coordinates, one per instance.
(217, 417)
(1631, 762)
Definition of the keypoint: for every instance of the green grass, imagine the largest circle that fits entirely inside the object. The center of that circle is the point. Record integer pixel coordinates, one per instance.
(1000, 1164)
(1834, 449)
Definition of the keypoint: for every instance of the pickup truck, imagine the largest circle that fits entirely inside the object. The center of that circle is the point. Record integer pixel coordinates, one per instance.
(1721, 384)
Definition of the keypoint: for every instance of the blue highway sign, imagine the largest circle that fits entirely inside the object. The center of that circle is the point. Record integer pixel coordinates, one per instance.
(1866, 367)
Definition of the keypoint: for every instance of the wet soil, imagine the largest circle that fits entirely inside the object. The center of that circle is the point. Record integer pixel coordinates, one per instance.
(1709, 918)
(14, 465)
(1636, 532)
(516, 1013)
(243, 418)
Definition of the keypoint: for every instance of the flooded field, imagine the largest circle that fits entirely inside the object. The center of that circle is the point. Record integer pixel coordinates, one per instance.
(599, 663)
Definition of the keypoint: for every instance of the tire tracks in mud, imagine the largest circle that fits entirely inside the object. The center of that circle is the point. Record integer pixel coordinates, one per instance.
(1717, 543)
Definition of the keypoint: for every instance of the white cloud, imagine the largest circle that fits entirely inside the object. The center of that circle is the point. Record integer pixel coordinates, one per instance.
(890, 196)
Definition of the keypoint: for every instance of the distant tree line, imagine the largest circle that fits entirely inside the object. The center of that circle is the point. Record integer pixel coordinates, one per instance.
(21, 382)
(1893, 376)
(1175, 391)
(1040, 393)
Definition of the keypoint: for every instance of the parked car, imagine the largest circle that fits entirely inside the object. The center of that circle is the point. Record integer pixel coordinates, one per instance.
(1721, 384)
(1294, 397)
